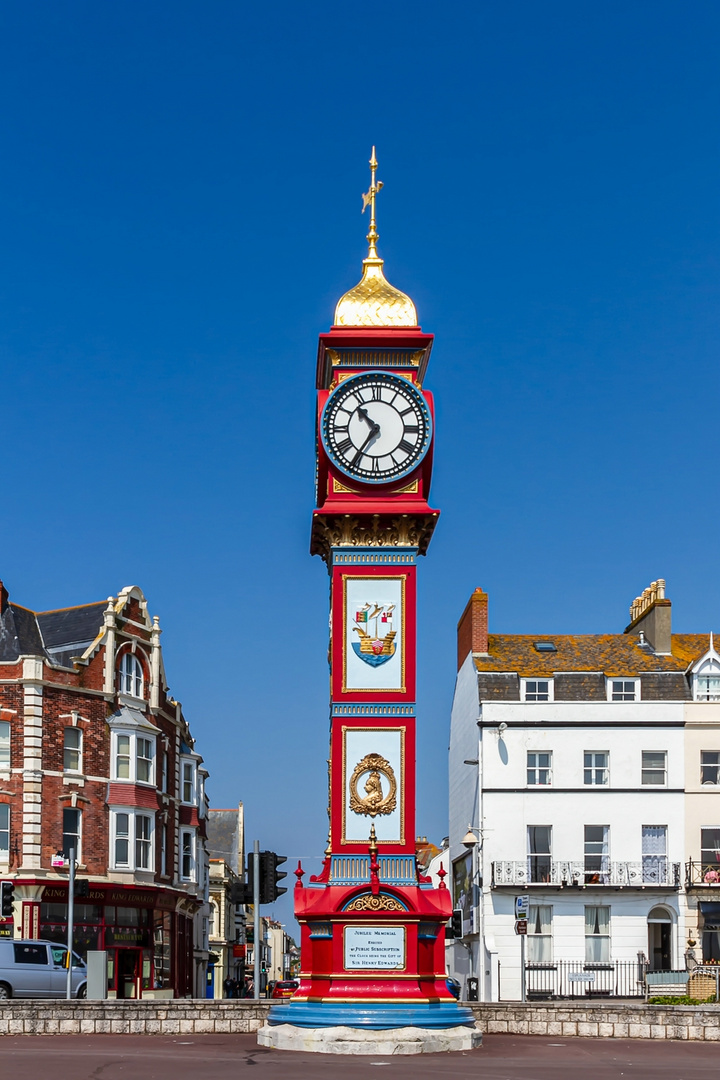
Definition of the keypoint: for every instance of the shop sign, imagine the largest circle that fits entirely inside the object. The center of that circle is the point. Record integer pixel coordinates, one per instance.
(126, 935)
(123, 897)
(6, 928)
(239, 951)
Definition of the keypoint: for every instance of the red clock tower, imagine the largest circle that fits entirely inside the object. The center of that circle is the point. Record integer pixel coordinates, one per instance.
(373, 941)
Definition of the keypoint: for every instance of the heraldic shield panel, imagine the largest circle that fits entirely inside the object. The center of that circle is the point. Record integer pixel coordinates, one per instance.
(374, 784)
(374, 634)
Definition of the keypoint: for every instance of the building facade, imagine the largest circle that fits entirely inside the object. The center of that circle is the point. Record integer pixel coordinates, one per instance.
(585, 768)
(97, 757)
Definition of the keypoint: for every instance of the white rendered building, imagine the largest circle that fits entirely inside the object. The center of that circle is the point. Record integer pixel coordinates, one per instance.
(584, 765)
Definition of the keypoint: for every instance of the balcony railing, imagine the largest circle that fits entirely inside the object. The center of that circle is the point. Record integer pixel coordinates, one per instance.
(702, 873)
(537, 870)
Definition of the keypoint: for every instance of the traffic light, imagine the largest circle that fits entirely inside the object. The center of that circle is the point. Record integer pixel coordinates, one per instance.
(269, 876)
(457, 923)
(82, 888)
(7, 896)
(241, 893)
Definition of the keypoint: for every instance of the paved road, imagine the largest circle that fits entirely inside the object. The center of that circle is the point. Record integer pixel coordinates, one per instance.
(227, 1057)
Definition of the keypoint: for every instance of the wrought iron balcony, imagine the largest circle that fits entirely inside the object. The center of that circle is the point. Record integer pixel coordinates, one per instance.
(702, 874)
(540, 870)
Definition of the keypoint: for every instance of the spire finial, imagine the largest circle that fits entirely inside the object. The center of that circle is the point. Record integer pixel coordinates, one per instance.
(369, 200)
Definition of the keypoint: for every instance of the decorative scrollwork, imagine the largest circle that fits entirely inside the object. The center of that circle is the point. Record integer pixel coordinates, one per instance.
(375, 903)
(375, 802)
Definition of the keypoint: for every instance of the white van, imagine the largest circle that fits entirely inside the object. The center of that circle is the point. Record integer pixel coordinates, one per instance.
(37, 969)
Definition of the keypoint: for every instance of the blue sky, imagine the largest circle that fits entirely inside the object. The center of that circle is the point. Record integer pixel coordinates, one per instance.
(180, 211)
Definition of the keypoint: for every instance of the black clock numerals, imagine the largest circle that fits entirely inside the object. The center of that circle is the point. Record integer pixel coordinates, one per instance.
(377, 427)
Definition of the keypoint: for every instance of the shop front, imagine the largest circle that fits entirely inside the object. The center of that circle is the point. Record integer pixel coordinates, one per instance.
(148, 942)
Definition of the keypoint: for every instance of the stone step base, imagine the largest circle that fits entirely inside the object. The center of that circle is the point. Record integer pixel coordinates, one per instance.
(385, 1043)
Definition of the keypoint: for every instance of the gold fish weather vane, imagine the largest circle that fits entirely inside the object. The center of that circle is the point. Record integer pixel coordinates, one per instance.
(368, 199)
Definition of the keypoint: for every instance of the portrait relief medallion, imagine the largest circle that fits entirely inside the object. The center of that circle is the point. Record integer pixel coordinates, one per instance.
(380, 787)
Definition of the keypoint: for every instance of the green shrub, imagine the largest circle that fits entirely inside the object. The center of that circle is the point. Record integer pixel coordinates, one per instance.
(680, 1001)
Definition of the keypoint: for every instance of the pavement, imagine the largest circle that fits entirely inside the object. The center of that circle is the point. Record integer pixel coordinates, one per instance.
(221, 1057)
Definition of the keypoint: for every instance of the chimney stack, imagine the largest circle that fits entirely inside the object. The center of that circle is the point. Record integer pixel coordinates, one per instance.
(3, 597)
(651, 614)
(472, 631)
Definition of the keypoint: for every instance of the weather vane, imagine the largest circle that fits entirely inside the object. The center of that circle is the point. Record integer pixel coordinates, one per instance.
(368, 199)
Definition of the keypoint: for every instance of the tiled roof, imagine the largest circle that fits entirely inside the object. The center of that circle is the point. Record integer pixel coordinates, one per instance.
(611, 654)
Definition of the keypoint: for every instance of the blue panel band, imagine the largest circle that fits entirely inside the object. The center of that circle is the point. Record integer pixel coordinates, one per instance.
(440, 1014)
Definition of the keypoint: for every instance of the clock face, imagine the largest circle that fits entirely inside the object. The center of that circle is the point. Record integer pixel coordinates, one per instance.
(376, 427)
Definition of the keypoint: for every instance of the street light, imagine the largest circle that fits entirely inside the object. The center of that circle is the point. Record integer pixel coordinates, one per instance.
(469, 840)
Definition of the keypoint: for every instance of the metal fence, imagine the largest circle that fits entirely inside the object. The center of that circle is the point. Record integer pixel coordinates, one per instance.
(574, 979)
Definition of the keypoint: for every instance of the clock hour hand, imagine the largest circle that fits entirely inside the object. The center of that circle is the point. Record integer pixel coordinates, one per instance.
(362, 413)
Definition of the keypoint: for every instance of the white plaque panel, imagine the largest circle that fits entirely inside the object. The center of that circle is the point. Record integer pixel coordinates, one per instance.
(374, 643)
(374, 947)
(389, 743)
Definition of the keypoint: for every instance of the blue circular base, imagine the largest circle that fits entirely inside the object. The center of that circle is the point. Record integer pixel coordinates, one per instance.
(312, 1014)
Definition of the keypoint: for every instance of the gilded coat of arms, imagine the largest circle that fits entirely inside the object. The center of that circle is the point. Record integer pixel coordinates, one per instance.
(376, 801)
(374, 624)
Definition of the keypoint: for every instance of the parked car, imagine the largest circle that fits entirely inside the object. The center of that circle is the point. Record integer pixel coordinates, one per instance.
(33, 968)
(285, 988)
(454, 987)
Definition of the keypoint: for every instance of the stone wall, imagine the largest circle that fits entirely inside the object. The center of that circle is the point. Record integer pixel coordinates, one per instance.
(179, 1017)
(622, 1020)
(185, 1017)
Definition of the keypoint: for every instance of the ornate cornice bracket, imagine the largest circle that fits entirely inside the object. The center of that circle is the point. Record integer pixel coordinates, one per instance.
(371, 530)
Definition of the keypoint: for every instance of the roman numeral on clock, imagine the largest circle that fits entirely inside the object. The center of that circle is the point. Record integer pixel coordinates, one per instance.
(411, 429)
(345, 446)
(406, 446)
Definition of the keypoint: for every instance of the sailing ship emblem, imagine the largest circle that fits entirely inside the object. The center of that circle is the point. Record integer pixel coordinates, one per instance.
(374, 624)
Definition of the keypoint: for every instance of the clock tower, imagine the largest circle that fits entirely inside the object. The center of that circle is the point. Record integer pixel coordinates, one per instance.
(373, 927)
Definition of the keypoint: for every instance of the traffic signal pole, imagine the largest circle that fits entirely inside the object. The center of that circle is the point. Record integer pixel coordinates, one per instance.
(71, 916)
(256, 919)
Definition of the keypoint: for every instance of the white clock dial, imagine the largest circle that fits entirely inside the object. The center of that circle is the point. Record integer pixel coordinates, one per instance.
(376, 427)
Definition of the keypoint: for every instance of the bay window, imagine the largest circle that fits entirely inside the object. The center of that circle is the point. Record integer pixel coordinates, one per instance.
(131, 840)
(133, 757)
(187, 855)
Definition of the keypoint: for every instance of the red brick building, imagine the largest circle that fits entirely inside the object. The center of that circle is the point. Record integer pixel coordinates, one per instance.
(95, 754)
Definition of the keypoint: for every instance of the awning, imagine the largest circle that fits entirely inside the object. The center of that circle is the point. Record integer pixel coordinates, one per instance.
(711, 916)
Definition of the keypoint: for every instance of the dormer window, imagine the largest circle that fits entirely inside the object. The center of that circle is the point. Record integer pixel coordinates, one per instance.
(536, 689)
(131, 675)
(706, 676)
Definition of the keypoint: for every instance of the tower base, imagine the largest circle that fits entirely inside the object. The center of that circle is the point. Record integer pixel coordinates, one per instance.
(385, 1042)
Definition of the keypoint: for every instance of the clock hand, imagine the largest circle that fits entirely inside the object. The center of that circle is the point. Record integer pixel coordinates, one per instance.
(362, 413)
(374, 430)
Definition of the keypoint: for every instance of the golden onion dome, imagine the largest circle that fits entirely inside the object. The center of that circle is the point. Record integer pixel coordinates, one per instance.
(374, 301)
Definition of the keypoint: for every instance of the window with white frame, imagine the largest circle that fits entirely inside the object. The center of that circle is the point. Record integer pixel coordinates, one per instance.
(597, 854)
(536, 689)
(133, 757)
(539, 934)
(596, 770)
(597, 934)
(4, 832)
(163, 850)
(72, 819)
(187, 791)
(706, 679)
(710, 767)
(654, 768)
(187, 854)
(539, 767)
(654, 854)
(623, 689)
(4, 745)
(539, 845)
(164, 772)
(143, 842)
(131, 840)
(72, 750)
(131, 675)
(710, 853)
